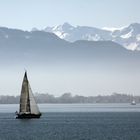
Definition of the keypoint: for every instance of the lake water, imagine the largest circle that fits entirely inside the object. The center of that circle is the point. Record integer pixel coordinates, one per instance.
(73, 122)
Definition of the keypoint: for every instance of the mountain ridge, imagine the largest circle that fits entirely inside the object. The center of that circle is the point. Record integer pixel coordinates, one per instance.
(44, 47)
(128, 36)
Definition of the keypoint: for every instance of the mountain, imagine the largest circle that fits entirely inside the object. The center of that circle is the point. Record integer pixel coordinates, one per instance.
(58, 66)
(129, 36)
(42, 46)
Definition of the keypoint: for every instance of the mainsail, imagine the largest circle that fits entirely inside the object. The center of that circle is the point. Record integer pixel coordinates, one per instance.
(27, 101)
(24, 98)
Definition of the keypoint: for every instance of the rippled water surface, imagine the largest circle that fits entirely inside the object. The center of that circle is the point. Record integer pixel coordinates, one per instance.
(73, 122)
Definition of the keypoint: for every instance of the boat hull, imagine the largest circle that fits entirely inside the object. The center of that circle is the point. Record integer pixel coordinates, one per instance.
(28, 116)
(133, 103)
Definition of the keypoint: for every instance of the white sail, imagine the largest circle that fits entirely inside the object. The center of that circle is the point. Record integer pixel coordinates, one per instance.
(33, 106)
(133, 102)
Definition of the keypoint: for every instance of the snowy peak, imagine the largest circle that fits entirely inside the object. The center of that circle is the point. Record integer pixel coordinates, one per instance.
(63, 28)
(61, 31)
(132, 29)
(67, 26)
(135, 26)
(128, 36)
(71, 33)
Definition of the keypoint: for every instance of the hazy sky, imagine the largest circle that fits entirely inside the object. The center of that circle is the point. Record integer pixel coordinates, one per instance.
(57, 80)
(26, 14)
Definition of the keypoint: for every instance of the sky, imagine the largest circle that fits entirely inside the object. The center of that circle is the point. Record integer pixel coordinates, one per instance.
(26, 14)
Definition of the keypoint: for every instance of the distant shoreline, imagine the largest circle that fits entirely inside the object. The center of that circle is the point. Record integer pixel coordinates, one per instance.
(67, 98)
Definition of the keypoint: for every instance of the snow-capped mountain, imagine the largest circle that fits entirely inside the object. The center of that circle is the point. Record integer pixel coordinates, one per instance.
(128, 36)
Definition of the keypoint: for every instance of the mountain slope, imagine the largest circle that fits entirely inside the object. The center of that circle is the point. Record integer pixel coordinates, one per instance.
(129, 37)
(43, 47)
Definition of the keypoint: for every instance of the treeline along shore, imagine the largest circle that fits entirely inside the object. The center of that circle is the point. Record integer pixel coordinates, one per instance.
(69, 98)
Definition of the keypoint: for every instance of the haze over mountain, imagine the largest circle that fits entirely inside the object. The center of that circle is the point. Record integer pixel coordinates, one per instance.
(128, 36)
(57, 66)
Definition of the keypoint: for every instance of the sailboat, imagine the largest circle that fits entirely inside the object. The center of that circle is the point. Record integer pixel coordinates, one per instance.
(28, 107)
(133, 102)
